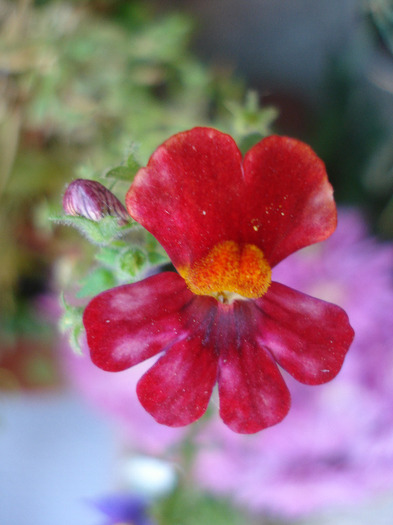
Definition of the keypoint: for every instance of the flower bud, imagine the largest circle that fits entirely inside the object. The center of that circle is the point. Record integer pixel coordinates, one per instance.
(90, 199)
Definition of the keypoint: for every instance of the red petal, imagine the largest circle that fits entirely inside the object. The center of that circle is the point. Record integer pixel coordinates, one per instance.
(131, 323)
(252, 392)
(308, 337)
(288, 201)
(193, 194)
(177, 389)
(188, 195)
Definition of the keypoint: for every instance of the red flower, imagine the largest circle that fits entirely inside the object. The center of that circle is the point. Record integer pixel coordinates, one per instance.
(225, 222)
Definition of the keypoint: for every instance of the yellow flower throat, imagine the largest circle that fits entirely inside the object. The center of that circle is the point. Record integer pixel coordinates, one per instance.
(229, 271)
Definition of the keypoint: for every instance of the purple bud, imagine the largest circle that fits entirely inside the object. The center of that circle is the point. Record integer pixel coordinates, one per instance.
(90, 199)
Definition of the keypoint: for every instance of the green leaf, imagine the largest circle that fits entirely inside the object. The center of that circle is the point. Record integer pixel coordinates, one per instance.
(157, 257)
(133, 164)
(155, 252)
(101, 232)
(71, 315)
(250, 121)
(74, 339)
(71, 322)
(187, 506)
(132, 261)
(247, 141)
(125, 173)
(96, 282)
(108, 255)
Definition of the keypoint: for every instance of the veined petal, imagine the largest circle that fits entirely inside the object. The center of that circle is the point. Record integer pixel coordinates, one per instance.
(308, 337)
(188, 195)
(177, 389)
(130, 323)
(288, 201)
(253, 394)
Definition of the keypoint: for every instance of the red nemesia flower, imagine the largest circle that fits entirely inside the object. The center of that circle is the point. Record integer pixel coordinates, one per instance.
(225, 222)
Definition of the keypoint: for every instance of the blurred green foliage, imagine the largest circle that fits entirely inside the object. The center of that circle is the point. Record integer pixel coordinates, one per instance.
(352, 133)
(378, 176)
(84, 84)
(189, 506)
(349, 131)
(381, 15)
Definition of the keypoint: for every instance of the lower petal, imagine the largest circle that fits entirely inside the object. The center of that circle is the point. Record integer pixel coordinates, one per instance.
(130, 323)
(308, 337)
(177, 389)
(252, 392)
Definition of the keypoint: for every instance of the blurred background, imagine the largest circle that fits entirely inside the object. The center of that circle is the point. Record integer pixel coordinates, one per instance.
(83, 84)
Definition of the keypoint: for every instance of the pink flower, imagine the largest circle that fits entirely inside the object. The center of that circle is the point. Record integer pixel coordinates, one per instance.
(225, 222)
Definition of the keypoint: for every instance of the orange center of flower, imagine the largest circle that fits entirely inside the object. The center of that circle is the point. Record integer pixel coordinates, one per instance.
(229, 271)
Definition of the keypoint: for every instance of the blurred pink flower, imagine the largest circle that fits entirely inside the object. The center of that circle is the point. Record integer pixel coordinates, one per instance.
(336, 445)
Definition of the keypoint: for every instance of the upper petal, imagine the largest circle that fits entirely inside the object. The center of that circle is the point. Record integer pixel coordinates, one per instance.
(196, 193)
(188, 195)
(130, 323)
(288, 201)
(308, 337)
